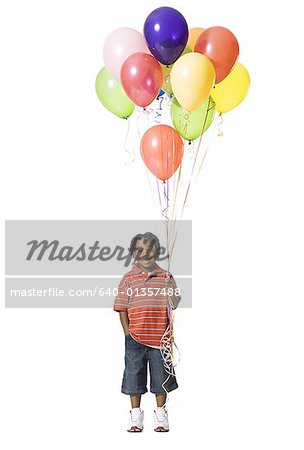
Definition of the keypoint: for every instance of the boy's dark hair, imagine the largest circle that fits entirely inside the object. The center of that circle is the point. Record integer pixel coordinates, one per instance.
(154, 242)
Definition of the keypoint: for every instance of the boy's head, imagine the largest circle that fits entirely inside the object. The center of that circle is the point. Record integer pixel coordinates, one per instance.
(145, 248)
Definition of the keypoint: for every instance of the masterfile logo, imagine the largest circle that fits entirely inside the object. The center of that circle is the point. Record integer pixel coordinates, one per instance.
(55, 251)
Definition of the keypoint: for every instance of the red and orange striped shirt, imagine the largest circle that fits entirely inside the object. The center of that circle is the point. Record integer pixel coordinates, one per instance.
(144, 297)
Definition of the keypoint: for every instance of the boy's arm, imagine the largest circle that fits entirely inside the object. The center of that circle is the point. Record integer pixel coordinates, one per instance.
(124, 320)
(174, 298)
(121, 304)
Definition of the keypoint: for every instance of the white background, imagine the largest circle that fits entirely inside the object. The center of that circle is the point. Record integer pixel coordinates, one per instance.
(241, 373)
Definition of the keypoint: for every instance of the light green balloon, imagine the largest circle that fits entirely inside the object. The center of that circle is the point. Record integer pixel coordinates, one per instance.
(190, 124)
(112, 96)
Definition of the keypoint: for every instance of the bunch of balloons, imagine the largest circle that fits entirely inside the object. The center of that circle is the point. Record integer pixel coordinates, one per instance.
(197, 68)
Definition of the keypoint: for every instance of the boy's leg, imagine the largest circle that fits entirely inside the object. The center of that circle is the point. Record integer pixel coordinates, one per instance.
(160, 381)
(161, 422)
(160, 399)
(135, 401)
(134, 381)
(136, 418)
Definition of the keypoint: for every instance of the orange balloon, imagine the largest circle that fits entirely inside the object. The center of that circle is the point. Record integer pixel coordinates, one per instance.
(194, 34)
(162, 150)
(221, 46)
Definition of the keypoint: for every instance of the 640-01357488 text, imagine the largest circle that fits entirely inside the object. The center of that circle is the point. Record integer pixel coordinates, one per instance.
(95, 291)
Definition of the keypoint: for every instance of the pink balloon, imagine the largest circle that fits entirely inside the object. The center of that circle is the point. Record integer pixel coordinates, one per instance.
(141, 77)
(119, 45)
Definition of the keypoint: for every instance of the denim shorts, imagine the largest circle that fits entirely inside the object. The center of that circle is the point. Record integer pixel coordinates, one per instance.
(137, 357)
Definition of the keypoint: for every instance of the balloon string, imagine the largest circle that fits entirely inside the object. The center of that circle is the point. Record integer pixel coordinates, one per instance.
(173, 159)
(148, 174)
(167, 343)
(130, 153)
(137, 123)
(166, 200)
(147, 112)
(167, 78)
(151, 190)
(191, 149)
(186, 117)
(192, 171)
(159, 196)
(192, 153)
(195, 159)
(171, 99)
(175, 202)
(201, 164)
(177, 186)
(177, 195)
(167, 221)
(172, 212)
(159, 110)
(220, 131)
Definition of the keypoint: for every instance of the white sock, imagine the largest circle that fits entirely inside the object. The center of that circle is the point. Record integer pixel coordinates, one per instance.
(161, 408)
(136, 411)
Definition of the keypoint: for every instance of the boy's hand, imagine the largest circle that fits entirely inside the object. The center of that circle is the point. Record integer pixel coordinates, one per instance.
(123, 315)
(173, 298)
(168, 283)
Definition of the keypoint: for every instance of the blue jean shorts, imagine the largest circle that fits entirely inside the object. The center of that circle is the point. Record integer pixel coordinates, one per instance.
(137, 357)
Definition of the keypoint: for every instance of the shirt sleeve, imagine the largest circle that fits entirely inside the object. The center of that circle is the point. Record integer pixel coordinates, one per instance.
(122, 299)
(177, 297)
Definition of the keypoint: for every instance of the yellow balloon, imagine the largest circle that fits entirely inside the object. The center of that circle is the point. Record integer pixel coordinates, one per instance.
(192, 78)
(230, 92)
(194, 34)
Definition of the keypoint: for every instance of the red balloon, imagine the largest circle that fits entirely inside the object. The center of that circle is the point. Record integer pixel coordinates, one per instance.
(162, 150)
(221, 46)
(141, 77)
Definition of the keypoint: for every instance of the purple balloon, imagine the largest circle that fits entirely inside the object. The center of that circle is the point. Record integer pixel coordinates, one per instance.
(166, 33)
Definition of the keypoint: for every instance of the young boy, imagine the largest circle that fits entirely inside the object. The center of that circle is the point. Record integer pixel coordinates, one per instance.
(142, 303)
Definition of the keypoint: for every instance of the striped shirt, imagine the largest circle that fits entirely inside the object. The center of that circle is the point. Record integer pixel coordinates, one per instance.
(144, 297)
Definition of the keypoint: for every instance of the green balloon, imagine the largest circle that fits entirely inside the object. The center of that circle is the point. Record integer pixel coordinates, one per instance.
(112, 96)
(190, 124)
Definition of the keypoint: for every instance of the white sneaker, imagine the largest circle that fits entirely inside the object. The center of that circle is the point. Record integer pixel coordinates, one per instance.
(161, 422)
(136, 420)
